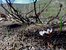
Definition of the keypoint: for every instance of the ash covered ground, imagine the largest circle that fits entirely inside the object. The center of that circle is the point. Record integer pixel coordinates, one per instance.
(23, 38)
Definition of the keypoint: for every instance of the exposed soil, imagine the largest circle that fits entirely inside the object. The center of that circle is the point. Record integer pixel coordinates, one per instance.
(19, 38)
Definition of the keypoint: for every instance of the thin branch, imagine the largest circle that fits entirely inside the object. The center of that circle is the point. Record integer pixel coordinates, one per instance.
(11, 13)
(36, 16)
(17, 13)
(10, 4)
(59, 10)
(29, 12)
(44, 8)
(56, 15)
(35, 6)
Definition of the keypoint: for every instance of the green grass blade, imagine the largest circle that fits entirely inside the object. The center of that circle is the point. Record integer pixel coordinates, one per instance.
(60, 24)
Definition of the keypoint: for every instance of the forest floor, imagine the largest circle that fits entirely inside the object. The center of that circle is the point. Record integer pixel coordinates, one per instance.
(15, 38)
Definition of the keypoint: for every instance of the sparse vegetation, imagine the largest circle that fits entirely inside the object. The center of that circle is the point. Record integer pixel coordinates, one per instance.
(21, 29)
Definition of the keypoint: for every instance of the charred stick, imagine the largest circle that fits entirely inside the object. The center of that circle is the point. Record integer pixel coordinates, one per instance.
(56, 15)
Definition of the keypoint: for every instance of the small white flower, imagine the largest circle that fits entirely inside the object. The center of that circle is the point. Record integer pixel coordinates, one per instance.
(42, 32)
(47, 32)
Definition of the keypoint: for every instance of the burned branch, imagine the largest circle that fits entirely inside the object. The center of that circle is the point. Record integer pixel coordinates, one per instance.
(36, 16)
(9, 12)
(17, 15)
(56, 17)
(10, 5)
(44, 8)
